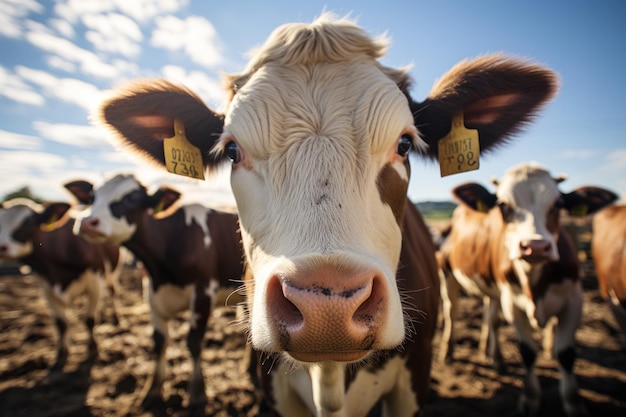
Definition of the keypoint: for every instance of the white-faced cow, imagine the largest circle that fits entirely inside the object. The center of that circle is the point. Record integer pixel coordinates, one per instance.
(509, 247)
(189, 251)
(42, 238)
(341, 275)
(608, 246)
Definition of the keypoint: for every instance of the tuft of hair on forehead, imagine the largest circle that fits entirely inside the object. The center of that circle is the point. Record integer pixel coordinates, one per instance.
(328, 39)
(527, 170)
(21, 201)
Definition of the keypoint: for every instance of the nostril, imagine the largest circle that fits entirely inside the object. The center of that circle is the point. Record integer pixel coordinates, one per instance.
(283, 310)
(368, 310)
(94, 222)
(4, 248)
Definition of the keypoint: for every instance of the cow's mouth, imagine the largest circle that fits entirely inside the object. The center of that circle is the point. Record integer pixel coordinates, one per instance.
(345, 356)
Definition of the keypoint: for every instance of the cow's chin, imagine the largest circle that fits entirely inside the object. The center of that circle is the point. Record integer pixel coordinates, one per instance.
(313, 357)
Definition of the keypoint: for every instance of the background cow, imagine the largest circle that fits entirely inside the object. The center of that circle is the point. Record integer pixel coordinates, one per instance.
(341, 275)
(42, 238)
(510, 247)
(608, 245)
(189, 252)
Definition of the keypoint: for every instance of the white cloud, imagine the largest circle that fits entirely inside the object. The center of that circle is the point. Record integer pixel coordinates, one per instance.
(139, 10)
(12, 140)
(194, 35)
(59, 63)
(12, 12)
(70, 90)
(616, 160)
(89, 62)
(69, 134)
(63, 27)
(209, 89)
(578, 153)
(113, 32)
(14, 88)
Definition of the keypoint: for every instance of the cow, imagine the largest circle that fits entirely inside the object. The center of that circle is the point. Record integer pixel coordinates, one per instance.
(41, 237)
(341, 279)
(189, 251)
(608, 249)
(510, 248)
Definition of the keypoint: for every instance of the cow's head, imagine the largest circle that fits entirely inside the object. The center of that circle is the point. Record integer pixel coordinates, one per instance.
(116, 207)
(528, 203)
(319, 133)
(20, 222)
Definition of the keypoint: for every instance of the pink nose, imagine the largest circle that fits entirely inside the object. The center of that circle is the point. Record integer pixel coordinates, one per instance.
(89, 226)
(327, 314)
(535, 250)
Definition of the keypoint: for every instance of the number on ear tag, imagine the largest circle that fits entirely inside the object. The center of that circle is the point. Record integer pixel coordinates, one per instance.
(459, 150)
(181, 157)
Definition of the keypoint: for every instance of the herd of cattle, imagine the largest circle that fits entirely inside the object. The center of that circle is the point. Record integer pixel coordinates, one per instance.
(343, 282)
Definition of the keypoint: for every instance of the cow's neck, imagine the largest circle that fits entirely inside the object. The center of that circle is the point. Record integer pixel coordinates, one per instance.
(148, 244)
(328, 383)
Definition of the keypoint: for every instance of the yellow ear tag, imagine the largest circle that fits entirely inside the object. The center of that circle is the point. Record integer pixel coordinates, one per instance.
(181, 157)
(580, 210)
(482, 207)
(459, 150)
(50, 224)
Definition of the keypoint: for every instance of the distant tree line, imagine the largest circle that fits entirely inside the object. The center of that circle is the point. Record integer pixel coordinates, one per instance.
(23, 192)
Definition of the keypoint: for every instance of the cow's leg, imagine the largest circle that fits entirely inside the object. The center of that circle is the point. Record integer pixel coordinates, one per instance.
(111, 278)
(530, 400)
(489, 343)
(93, 300)
(449, 288)
(200, 311)
(619, 312)
(160, 337)
(60, 320)
(569, 320)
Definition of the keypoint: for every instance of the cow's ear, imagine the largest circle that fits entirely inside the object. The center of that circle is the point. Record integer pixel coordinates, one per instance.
(52, 213)
(475, 196)
(496, 94)
(587, 200)
(82, 190)
(163, 199)
(141, 115)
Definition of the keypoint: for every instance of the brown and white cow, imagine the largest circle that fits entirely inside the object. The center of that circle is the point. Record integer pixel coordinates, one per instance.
(42, 238)
(509, 247)
(189, 251)
(608, 246)
(341, 275)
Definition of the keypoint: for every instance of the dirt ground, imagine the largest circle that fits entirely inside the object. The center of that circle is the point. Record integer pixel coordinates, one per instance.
(109, 384)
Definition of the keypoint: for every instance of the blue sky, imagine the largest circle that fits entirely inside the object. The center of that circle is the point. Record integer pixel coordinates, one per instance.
(58, 57)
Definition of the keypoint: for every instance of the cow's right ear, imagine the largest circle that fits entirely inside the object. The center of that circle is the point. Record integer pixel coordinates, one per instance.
(475, 196)
(82, 190)
(163, 199)
(141, 115)
(52, 213)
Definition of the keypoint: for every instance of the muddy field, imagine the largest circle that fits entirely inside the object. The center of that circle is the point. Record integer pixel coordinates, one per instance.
(109, 385)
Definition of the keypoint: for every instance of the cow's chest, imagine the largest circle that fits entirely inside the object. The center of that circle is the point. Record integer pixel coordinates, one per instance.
(306, 392)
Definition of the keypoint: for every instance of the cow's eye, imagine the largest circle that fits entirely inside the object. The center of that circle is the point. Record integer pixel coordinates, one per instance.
(404, 145)
(232, 152)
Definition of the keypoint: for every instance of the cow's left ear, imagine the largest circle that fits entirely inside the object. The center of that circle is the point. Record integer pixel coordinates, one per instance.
(163, 199)
(587, 200)
(82, 190)
(496, 94)
(52, 213)
(475, 196)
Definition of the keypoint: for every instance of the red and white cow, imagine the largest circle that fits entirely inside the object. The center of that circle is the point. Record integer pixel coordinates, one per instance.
(189, 252)
(608, 246)
(341, 275)
(42, 238)
(509, 247)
